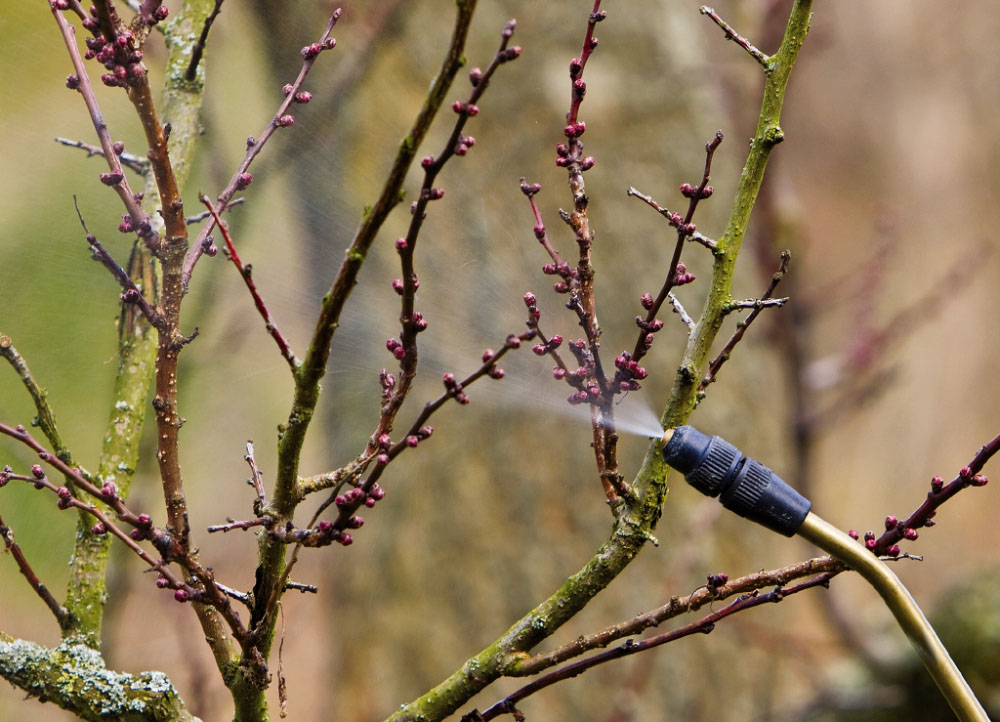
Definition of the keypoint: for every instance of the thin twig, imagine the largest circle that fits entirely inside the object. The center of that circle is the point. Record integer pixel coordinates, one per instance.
(705, 625)
(132, 293)
(679, 310)
(170, 549)
(241, 177)
(764, 60)
(757, 305)
(134, 162)
(116, 177)
(246, 275)
(199, 47)
(677, 606)
(59, 611)
(243, 525)
(199, 217)
(45, 415)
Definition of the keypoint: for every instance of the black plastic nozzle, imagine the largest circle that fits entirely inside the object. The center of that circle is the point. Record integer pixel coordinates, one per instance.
(715, 467)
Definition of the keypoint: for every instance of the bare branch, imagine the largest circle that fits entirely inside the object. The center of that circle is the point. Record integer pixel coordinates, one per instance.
(761, 58)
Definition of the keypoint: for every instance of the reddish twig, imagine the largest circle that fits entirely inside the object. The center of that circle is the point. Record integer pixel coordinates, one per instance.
(59, 611)
(923, 516)
(757, 305)
(676, 272)
(246, 275)
(115, 177)
(458, 143)
(241, 178)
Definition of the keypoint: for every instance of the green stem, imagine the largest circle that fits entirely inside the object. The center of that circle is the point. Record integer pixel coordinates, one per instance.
(635, 525)
(287, 493)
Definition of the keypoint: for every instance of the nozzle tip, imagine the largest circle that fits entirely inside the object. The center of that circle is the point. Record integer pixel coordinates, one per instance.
(667, 435)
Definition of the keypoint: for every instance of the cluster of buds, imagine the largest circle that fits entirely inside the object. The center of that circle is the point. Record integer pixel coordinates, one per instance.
(717, 580)
(530, 189)
(143, 527)
(65, 497)
(492, 370)
(464, 143)
(463, 108)
(387, 381)
(395, 347)
(418, 322)
(511, 53)
(311, 51)
(565, 156)
(972, 479)
(540, 349)
(568, 273)
(681, 275)
(629, 373)
(119, 54)
(327, 532)
(356, 496)
(582, 377)
(454, 388)
(112, 178)
(690, 191)
(575, 129)
(109, 491)
(533, 313)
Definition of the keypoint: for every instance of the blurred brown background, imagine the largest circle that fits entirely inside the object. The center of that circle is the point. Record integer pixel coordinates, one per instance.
(880, 373)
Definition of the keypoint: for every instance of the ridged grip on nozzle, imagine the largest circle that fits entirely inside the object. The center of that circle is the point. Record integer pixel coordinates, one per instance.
(706, 461)
(717, 468)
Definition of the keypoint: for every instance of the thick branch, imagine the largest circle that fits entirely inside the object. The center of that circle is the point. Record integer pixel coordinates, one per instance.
(73, 677)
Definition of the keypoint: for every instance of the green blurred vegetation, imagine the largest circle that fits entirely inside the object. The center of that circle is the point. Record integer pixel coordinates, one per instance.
(891, 142)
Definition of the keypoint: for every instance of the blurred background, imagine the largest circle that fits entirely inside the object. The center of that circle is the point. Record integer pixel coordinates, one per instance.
(879, 374)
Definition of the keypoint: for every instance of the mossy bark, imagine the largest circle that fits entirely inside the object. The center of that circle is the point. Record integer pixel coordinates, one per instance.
(73, 677)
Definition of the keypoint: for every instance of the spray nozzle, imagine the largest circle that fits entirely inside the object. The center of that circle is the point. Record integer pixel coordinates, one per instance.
(715, 467)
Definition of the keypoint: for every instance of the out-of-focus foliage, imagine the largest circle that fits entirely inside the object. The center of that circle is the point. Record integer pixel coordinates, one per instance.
(890, 143)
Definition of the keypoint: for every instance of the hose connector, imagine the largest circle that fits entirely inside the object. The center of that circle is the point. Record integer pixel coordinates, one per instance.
(715, 467)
